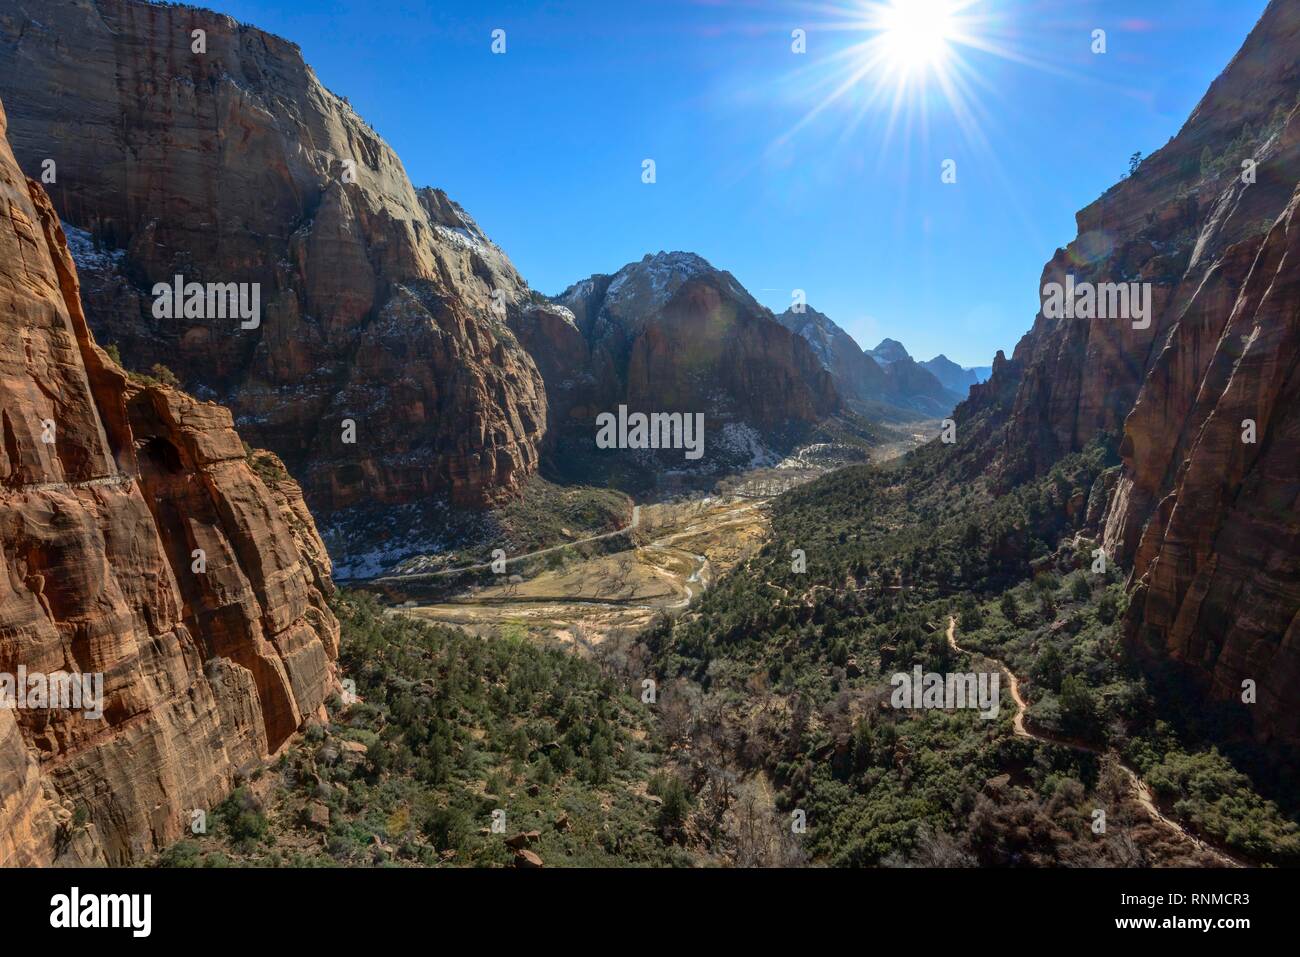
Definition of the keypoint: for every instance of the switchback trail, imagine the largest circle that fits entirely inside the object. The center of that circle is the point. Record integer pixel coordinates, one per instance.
(1140, 789)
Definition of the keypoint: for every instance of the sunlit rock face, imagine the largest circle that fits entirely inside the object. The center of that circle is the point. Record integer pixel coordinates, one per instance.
(1205, 518)
(139, 547)
(672, 333)
(381, 304)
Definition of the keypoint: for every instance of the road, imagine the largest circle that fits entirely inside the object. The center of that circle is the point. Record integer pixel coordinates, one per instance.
(636, 520)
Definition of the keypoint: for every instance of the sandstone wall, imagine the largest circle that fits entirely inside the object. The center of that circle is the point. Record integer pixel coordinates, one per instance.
(1206, 522)
(381, 304)
(204, 673)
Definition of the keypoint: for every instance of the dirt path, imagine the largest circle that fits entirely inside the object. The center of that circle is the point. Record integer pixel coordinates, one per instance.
(1140, 789)
(120, 479)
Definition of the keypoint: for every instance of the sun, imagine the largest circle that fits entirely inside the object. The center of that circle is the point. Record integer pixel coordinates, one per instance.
(909, 60)
(915, 34)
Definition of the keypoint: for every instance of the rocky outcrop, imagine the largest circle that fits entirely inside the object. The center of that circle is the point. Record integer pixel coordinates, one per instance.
(140, 546)
(1167, 224)
(1208, 506)
(887, 351)
(673, 334)
(381, 306)
(1205, 518)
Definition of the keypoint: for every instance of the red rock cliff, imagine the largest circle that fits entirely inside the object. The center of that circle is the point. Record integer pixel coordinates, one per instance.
(1206, 521)
(204, 673)
(380, 304)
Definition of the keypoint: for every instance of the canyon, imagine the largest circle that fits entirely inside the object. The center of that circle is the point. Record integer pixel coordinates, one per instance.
(266, 177)
(399, 361)
(382, 305)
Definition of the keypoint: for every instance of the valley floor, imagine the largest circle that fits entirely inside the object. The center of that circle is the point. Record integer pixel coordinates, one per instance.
(677, 550)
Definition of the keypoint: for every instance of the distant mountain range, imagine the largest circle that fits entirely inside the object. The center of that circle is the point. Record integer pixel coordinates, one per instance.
(885, 381)
(957, 378)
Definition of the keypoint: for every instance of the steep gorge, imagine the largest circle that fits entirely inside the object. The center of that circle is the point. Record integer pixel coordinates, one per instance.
(222, 158)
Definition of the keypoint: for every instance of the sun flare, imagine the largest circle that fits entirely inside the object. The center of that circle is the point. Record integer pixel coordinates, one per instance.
(910, 58)
(915, 34)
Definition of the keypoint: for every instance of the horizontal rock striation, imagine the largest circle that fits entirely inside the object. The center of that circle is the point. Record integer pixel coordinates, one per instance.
(138, 544)
(381, 305)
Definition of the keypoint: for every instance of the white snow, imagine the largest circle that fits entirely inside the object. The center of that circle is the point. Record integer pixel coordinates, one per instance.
(459, 236)
(745, 440)
(655, 277)
(81, 246)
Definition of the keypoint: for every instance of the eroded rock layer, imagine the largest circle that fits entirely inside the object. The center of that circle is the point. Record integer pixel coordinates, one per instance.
(381, 305)
(138, 544)
(1205, 517)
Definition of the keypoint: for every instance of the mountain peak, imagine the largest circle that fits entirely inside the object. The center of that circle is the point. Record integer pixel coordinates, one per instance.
(956, 378)
(791, 315)
(889, 350)
(676, 259)
(655, 279)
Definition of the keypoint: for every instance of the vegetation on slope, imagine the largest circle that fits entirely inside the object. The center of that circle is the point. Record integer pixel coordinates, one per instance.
(773, 708)
(798, 666)
(448, 730)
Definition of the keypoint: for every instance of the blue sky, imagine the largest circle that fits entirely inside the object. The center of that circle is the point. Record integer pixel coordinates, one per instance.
(544, 145)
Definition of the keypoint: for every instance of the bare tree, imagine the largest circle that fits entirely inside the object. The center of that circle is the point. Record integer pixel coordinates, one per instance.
(678, 706)
(757, 835)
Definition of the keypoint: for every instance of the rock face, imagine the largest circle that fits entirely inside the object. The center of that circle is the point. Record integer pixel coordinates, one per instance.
(857, 376)
(673, 334)
(1208, 503)
(380, 304)
(887, 351)
(139, 545)
(1206, 518)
